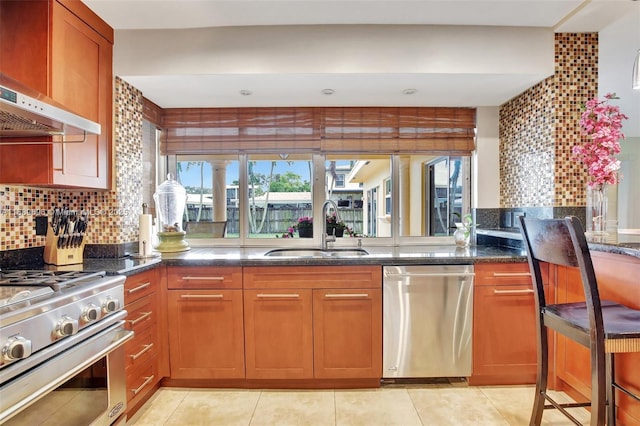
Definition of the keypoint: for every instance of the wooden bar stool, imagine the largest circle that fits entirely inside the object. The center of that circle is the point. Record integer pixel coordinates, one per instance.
(604, 327)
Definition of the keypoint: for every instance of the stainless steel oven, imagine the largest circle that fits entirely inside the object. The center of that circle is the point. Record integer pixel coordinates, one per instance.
(62, 352)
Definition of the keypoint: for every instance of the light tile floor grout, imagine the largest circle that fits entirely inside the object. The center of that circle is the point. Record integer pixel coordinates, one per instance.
(420, 405)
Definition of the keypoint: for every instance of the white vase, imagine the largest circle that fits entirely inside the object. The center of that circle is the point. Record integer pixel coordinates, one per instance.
(462, 235)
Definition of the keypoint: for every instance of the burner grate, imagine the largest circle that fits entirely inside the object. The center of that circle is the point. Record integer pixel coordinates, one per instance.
(54, 279)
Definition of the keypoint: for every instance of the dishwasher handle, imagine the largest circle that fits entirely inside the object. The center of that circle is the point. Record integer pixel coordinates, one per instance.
(388, 274)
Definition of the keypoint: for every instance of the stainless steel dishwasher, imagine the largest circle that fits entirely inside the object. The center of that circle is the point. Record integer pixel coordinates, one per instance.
(427, 321)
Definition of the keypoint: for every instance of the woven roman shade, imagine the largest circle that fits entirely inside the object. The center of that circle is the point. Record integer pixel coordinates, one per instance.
(330, 129)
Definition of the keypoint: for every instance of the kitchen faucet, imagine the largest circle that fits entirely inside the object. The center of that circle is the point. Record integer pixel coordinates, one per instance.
(328, 238)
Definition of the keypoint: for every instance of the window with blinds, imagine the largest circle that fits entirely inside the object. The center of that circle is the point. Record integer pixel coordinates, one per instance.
(330, 129)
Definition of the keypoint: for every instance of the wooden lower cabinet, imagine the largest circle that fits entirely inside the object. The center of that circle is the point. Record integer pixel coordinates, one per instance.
(278, 334)
(347, 342)
(205, 315)
(313, 322)
(144, 352)
(504, 325)
(206, 334)
(618, 281)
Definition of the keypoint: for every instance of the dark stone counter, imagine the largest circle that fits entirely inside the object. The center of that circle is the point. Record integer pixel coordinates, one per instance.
(504, 246)
(406, 255)
(627, 244)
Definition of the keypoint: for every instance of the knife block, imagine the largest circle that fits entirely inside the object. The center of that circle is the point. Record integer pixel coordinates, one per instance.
(53, 255)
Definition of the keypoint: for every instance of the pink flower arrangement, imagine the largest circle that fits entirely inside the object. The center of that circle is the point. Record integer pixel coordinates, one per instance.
(601, 122)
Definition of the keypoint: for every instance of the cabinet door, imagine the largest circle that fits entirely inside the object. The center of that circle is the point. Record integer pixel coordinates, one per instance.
(504, 330)
(206, 334)
(81, 79)
(347, 333)
(278, 334)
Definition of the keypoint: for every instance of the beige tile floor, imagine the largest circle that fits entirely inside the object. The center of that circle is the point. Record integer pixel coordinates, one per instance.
(432, 405)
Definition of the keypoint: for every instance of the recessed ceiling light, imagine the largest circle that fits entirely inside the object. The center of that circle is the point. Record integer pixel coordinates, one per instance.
(245, 92)
(328, 91)
(409, 91)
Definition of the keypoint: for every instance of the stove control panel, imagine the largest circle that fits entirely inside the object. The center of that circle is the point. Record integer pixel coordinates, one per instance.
(65, 314)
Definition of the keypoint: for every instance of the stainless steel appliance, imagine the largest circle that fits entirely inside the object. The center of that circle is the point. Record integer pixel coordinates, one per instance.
(61, 347)
(25, 113)
(427, 320)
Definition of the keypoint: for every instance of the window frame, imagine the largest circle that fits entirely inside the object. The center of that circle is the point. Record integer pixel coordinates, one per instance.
(169, 163)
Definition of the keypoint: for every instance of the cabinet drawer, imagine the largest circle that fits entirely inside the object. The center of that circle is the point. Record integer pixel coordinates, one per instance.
(223, 277)
(502, 274)
(139, 285)
(141, 380)
(141, 349)
(142, 313)
(278, 277)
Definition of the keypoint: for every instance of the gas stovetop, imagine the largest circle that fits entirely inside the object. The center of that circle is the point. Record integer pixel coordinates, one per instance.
(45, 312)
(20, 285)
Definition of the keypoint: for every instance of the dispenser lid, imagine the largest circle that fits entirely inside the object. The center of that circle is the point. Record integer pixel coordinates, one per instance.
(171, 186)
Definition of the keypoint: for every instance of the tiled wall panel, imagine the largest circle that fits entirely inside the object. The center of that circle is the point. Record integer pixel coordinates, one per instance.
(539, 127)
(113, 214)
(527, 148)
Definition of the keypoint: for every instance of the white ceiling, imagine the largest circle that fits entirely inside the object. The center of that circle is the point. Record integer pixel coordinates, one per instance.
(361, 88)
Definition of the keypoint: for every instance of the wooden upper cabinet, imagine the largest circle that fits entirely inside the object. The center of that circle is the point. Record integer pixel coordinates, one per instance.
(65, 52)
(24, 55)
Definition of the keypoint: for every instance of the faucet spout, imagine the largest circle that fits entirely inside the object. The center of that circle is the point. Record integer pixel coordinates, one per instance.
(328, 238)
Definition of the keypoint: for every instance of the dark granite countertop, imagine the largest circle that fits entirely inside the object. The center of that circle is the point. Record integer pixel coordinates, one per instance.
(406, 255)
(613, 242)
(626, 244)
(122, 266)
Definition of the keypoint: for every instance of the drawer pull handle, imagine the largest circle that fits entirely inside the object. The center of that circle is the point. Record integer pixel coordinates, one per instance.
(287, 295)
(142, 317)
(429, 274)
(201, 296)
(203, 278)
(140, 287)
(507, 292)
(512, 274)
(146, 382)
(345, 295)
(139, 354)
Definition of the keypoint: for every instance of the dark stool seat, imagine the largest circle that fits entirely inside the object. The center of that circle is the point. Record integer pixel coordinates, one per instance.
(621, 324)
(603, 326)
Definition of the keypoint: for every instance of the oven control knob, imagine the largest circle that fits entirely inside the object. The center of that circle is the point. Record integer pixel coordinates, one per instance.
(66, 326)
(110, 305)
(16, 348)
(91, 313)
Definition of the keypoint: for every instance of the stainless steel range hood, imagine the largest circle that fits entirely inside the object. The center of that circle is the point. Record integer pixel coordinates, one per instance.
(29, 117)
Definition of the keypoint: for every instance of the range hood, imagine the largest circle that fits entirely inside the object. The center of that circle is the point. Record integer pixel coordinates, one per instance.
(27, 117)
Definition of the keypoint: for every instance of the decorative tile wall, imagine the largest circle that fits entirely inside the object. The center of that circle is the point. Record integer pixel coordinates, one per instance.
(113, 215)
(526, 134)
(576, 79)
(539, 127)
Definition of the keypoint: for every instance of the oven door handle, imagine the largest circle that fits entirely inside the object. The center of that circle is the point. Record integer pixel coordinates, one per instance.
(36, 383)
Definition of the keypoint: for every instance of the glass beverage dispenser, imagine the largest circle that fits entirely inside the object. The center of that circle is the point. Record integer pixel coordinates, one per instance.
(170, 199)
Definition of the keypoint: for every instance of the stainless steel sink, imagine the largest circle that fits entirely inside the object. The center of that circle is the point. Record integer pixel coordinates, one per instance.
(316, 252)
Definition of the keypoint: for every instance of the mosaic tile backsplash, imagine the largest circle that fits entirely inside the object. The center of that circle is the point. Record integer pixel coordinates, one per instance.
(113, 215)
(539, 127)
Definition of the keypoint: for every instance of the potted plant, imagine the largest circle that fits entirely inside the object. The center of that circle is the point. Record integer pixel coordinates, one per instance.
(334, 226)
(304, 227)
